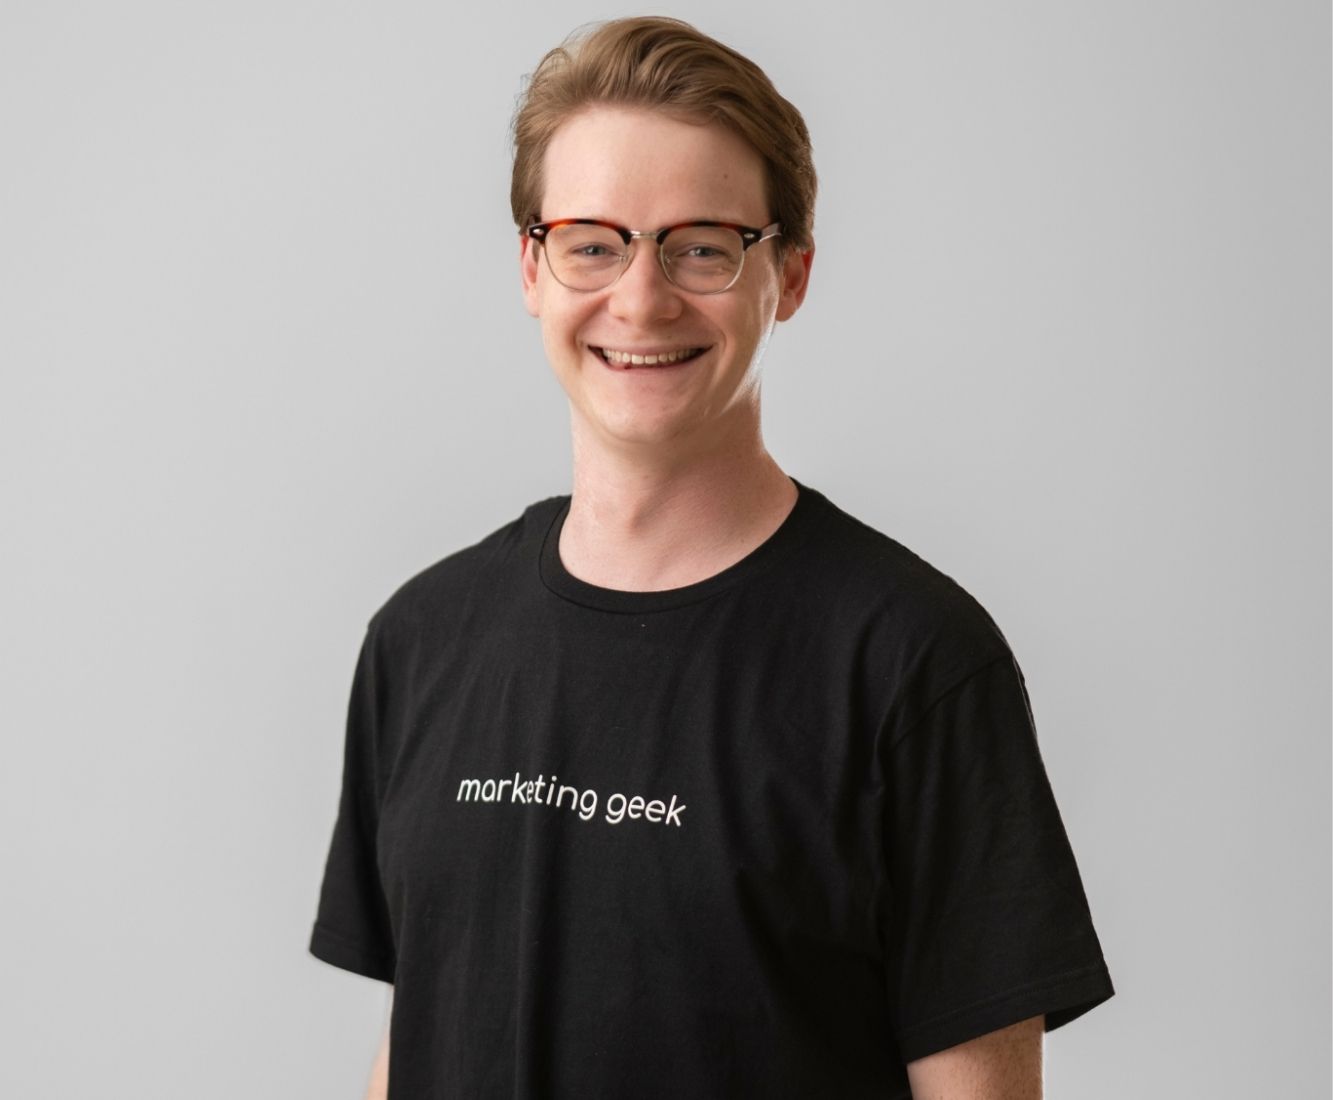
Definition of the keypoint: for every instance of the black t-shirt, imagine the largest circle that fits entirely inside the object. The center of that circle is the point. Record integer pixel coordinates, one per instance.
(775, 834)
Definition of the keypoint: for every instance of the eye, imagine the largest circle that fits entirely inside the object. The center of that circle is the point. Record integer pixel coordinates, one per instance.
(591, 251)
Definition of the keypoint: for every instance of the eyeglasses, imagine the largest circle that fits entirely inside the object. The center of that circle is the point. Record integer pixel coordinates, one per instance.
(700, 257)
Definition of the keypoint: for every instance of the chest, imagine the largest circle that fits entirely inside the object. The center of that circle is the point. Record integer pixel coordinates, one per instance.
(688, 781)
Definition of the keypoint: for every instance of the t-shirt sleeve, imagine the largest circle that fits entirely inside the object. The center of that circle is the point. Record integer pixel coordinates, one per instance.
(989, 922)
(352, 927)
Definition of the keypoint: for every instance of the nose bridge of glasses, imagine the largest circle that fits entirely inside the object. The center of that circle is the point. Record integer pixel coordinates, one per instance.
(653, 241)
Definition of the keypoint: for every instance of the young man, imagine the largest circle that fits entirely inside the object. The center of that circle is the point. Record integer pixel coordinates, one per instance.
(688, 783)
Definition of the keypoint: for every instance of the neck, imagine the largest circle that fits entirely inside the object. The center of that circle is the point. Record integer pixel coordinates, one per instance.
(647, 520)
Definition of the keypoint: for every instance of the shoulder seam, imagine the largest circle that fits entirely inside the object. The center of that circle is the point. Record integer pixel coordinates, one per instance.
(955, 686)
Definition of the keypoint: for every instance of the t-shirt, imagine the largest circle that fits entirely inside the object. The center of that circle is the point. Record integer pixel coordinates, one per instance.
(775, 833)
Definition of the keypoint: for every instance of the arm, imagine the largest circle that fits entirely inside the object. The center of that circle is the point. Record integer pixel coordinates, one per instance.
(1001, 1065)
(379, 1073)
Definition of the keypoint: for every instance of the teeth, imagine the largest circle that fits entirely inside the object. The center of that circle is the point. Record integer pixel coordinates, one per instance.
(629, 359)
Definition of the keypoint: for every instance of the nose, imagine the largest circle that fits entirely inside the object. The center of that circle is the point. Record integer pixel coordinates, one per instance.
(643, 294)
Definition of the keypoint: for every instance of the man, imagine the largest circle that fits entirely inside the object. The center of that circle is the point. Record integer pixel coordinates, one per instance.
(688, 783)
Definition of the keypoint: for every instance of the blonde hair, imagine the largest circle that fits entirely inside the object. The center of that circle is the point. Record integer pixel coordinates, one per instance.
(667, 65)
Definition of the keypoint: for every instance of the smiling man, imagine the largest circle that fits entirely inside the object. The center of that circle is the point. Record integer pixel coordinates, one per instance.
(657, 339)
(687, 782)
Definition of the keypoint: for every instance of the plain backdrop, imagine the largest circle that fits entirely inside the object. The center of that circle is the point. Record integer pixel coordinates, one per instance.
(264, 357)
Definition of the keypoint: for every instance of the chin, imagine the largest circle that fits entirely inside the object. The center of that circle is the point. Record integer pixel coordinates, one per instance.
(622, 427)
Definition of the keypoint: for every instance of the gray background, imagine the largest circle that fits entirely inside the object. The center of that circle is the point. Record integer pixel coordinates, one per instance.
(264, 357)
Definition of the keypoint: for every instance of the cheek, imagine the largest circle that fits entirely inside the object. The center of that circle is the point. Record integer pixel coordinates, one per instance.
(561, 324)
(743, 325)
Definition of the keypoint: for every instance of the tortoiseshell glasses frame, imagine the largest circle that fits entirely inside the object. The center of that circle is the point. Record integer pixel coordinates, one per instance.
(705, 278)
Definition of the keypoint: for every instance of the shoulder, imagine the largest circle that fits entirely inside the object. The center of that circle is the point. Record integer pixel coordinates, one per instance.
(866, 566)
(914, 621)
(438, 593)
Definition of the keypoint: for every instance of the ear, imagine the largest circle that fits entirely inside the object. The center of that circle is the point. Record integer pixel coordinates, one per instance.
(794, 281)
(527, 270)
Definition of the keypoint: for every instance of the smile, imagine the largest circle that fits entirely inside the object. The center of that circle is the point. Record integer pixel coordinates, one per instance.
(627, 359)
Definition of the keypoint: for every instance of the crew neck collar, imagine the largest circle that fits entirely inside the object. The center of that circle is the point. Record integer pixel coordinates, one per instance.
(564, 584)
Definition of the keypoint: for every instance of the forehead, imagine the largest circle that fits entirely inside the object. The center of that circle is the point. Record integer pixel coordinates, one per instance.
(646, 169)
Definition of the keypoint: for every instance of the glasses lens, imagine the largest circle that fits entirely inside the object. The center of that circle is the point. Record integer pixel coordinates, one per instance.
(585, 257)
(703, 259)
